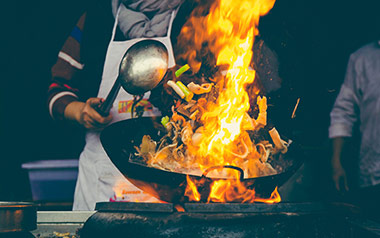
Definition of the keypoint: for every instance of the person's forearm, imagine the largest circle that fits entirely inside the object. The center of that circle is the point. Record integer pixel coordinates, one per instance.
(72, 111)
(63, 88)
(338, 145)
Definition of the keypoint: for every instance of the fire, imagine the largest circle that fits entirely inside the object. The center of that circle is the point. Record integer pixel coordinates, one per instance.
(192, 191)
(228, 31)
(233, 190)
(274, 198)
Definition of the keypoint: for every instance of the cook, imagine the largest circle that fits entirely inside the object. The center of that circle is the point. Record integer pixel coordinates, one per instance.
(86, 69)
(359, 101)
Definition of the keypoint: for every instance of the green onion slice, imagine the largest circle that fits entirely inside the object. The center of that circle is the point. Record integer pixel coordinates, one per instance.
(182, 70)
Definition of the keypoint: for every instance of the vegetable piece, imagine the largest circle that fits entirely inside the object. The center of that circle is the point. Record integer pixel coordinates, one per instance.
(176, 88)
(279, 144)
(187, 134)
(200, 89)
(164, 121)
(192, 116)
(181, 110)
(248, 123)
(262, 117)
(176, 118)
(148, 146)
(182, 70)
(202, 102)
(188, 94)
(243, 155)
(197, 138)
(295, 109)
(264, 152)
(190, 104)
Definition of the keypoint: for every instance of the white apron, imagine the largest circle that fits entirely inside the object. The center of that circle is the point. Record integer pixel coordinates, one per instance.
(98, 179)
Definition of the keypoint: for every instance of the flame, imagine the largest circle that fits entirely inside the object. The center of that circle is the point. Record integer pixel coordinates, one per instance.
(274, 198)
(192, 191)
(179, 208)
(230, 190)
(228, 32)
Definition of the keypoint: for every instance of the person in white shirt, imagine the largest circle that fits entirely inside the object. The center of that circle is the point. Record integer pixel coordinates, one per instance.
(359, 102)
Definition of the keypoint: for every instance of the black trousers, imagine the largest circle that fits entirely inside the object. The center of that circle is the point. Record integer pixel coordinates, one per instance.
(368, 199)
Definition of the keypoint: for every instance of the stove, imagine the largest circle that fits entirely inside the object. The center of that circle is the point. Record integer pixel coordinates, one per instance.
(55, 223)
(209, 221)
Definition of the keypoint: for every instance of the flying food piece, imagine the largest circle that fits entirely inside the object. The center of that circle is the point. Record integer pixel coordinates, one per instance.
(200, 89)
(279, 144)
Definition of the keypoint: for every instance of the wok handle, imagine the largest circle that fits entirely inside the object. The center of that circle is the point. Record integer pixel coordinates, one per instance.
(241, 177)
(105, 107)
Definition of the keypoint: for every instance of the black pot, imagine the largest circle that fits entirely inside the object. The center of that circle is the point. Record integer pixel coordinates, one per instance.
(16, 217)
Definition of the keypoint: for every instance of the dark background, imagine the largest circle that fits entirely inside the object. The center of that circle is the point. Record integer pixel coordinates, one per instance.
(313, 40)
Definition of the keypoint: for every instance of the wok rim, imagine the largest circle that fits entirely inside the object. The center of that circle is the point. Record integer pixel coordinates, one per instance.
(294, 167)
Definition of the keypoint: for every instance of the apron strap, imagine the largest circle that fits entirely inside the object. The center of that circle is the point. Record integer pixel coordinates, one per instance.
(174, 13)
(115, 24)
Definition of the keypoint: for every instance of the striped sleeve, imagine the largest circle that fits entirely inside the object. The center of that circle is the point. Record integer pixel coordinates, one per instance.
(61, 90)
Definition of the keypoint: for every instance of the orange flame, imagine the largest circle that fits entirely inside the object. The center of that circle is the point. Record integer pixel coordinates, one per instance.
(228, 31)
(274, 198)
(230, 190)
(179, 208)
(192, 191)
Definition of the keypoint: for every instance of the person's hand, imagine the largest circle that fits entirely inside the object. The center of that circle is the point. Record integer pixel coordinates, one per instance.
(339, 175)
(340, 178)
(86, 115)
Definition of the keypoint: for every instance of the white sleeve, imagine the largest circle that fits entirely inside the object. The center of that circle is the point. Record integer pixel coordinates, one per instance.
(346, 110)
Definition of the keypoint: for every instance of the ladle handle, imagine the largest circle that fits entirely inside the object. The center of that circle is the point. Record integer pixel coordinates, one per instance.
(105, 107)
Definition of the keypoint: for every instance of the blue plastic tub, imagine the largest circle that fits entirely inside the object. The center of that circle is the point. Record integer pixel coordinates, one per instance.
(52, 180)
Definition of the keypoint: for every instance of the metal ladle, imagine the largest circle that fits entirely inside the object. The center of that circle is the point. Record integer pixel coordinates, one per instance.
(141, 69)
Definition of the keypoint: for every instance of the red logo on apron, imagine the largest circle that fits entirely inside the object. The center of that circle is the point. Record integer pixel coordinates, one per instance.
(126, 106)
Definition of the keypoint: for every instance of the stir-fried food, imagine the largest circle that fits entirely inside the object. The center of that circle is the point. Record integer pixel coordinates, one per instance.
(177, 149)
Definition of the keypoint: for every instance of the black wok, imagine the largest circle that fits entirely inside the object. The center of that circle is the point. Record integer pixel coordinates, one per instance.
(120, 138)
